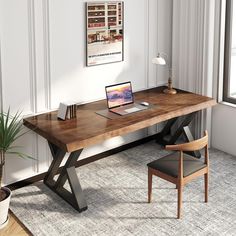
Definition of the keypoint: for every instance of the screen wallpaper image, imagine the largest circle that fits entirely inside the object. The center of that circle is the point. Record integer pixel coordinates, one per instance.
(119, 95)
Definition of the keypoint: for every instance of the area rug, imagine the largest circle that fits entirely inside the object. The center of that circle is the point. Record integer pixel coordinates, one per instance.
(116, 193)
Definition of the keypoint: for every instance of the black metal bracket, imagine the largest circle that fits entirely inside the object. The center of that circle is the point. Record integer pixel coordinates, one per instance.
(166, 138)
(76, 196)
(188, 135)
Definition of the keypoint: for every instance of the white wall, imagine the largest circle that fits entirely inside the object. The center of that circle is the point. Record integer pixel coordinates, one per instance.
(224, 129)
(42, 59)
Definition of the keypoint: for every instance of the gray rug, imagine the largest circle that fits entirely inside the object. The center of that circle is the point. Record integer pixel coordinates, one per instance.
(116, 193)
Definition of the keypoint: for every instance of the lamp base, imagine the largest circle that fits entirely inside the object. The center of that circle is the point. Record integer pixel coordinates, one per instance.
(169, 91)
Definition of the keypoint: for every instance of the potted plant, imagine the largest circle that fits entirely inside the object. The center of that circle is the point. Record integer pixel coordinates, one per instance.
(11, 128)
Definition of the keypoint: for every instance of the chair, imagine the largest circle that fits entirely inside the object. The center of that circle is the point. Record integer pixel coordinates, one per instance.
(180, 168)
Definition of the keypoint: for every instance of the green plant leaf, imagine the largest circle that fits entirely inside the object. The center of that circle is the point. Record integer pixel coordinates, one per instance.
(11, 129)
(22, 155)
(14, 147)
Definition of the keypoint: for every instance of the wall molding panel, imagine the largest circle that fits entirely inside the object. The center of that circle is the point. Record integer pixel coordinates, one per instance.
(146, 12)
(164, 38)
(46, 37)
(43, 77)
(32, 56)
(33, 78)
(152, 43)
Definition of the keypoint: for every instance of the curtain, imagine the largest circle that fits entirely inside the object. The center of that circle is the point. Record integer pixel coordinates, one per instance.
(193, 52)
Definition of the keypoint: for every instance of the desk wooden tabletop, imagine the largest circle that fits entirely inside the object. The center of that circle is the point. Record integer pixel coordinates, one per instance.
(89, 128)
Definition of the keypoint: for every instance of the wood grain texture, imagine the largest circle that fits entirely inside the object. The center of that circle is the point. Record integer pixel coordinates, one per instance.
(14, 227)
(90, 128)
(190, 146)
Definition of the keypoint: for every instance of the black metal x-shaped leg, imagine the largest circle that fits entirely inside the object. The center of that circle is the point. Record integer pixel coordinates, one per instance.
(181, 129)
(76, 196)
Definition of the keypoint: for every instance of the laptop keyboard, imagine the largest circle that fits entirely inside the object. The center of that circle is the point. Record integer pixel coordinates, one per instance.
(132, 109)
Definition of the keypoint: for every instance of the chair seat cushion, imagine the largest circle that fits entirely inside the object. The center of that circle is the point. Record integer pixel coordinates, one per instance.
(170, 164)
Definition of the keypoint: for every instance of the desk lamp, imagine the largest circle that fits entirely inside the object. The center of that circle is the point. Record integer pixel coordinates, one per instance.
(162, 59)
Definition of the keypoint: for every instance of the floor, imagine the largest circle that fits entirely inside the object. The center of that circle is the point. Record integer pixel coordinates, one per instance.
(14, 227)
(116, 192)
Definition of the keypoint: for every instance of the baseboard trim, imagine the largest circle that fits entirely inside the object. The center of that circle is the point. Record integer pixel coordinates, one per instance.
(39, 177)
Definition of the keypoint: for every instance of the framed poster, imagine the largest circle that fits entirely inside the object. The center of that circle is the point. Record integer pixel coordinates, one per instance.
(104, 32)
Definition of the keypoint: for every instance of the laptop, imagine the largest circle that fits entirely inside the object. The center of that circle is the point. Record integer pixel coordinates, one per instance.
(120, 99)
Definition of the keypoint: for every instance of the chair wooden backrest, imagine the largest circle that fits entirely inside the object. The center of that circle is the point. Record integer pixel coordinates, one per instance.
(192, 146)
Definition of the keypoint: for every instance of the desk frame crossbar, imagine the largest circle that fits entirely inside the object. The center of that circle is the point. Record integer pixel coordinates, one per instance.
(76, 196)
(182, 129)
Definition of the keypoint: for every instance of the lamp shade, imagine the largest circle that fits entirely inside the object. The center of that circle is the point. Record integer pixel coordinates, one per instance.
(159, 60)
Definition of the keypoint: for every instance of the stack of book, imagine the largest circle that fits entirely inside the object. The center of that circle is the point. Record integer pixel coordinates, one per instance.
(67, 110)
(71, 111)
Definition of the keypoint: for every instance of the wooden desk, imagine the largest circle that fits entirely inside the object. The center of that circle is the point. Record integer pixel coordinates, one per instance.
(90, 128)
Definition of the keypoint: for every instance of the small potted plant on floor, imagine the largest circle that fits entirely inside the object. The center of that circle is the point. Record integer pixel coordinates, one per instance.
(11, 128)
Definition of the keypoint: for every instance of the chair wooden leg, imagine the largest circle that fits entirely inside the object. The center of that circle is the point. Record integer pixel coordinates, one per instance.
(180, 190)
(206, 186)
(149, 185)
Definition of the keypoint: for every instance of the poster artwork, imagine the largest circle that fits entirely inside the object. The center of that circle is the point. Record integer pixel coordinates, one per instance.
(104, 32)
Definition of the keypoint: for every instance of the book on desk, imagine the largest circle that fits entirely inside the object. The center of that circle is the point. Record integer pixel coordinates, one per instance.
(67, 110)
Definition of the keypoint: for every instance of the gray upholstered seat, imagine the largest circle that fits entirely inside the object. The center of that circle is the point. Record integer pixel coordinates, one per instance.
(170, 164)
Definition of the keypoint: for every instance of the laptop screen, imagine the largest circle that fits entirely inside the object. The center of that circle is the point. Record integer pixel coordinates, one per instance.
(119, 94)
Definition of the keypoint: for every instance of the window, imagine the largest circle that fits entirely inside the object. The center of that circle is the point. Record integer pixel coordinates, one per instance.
(229, 92)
